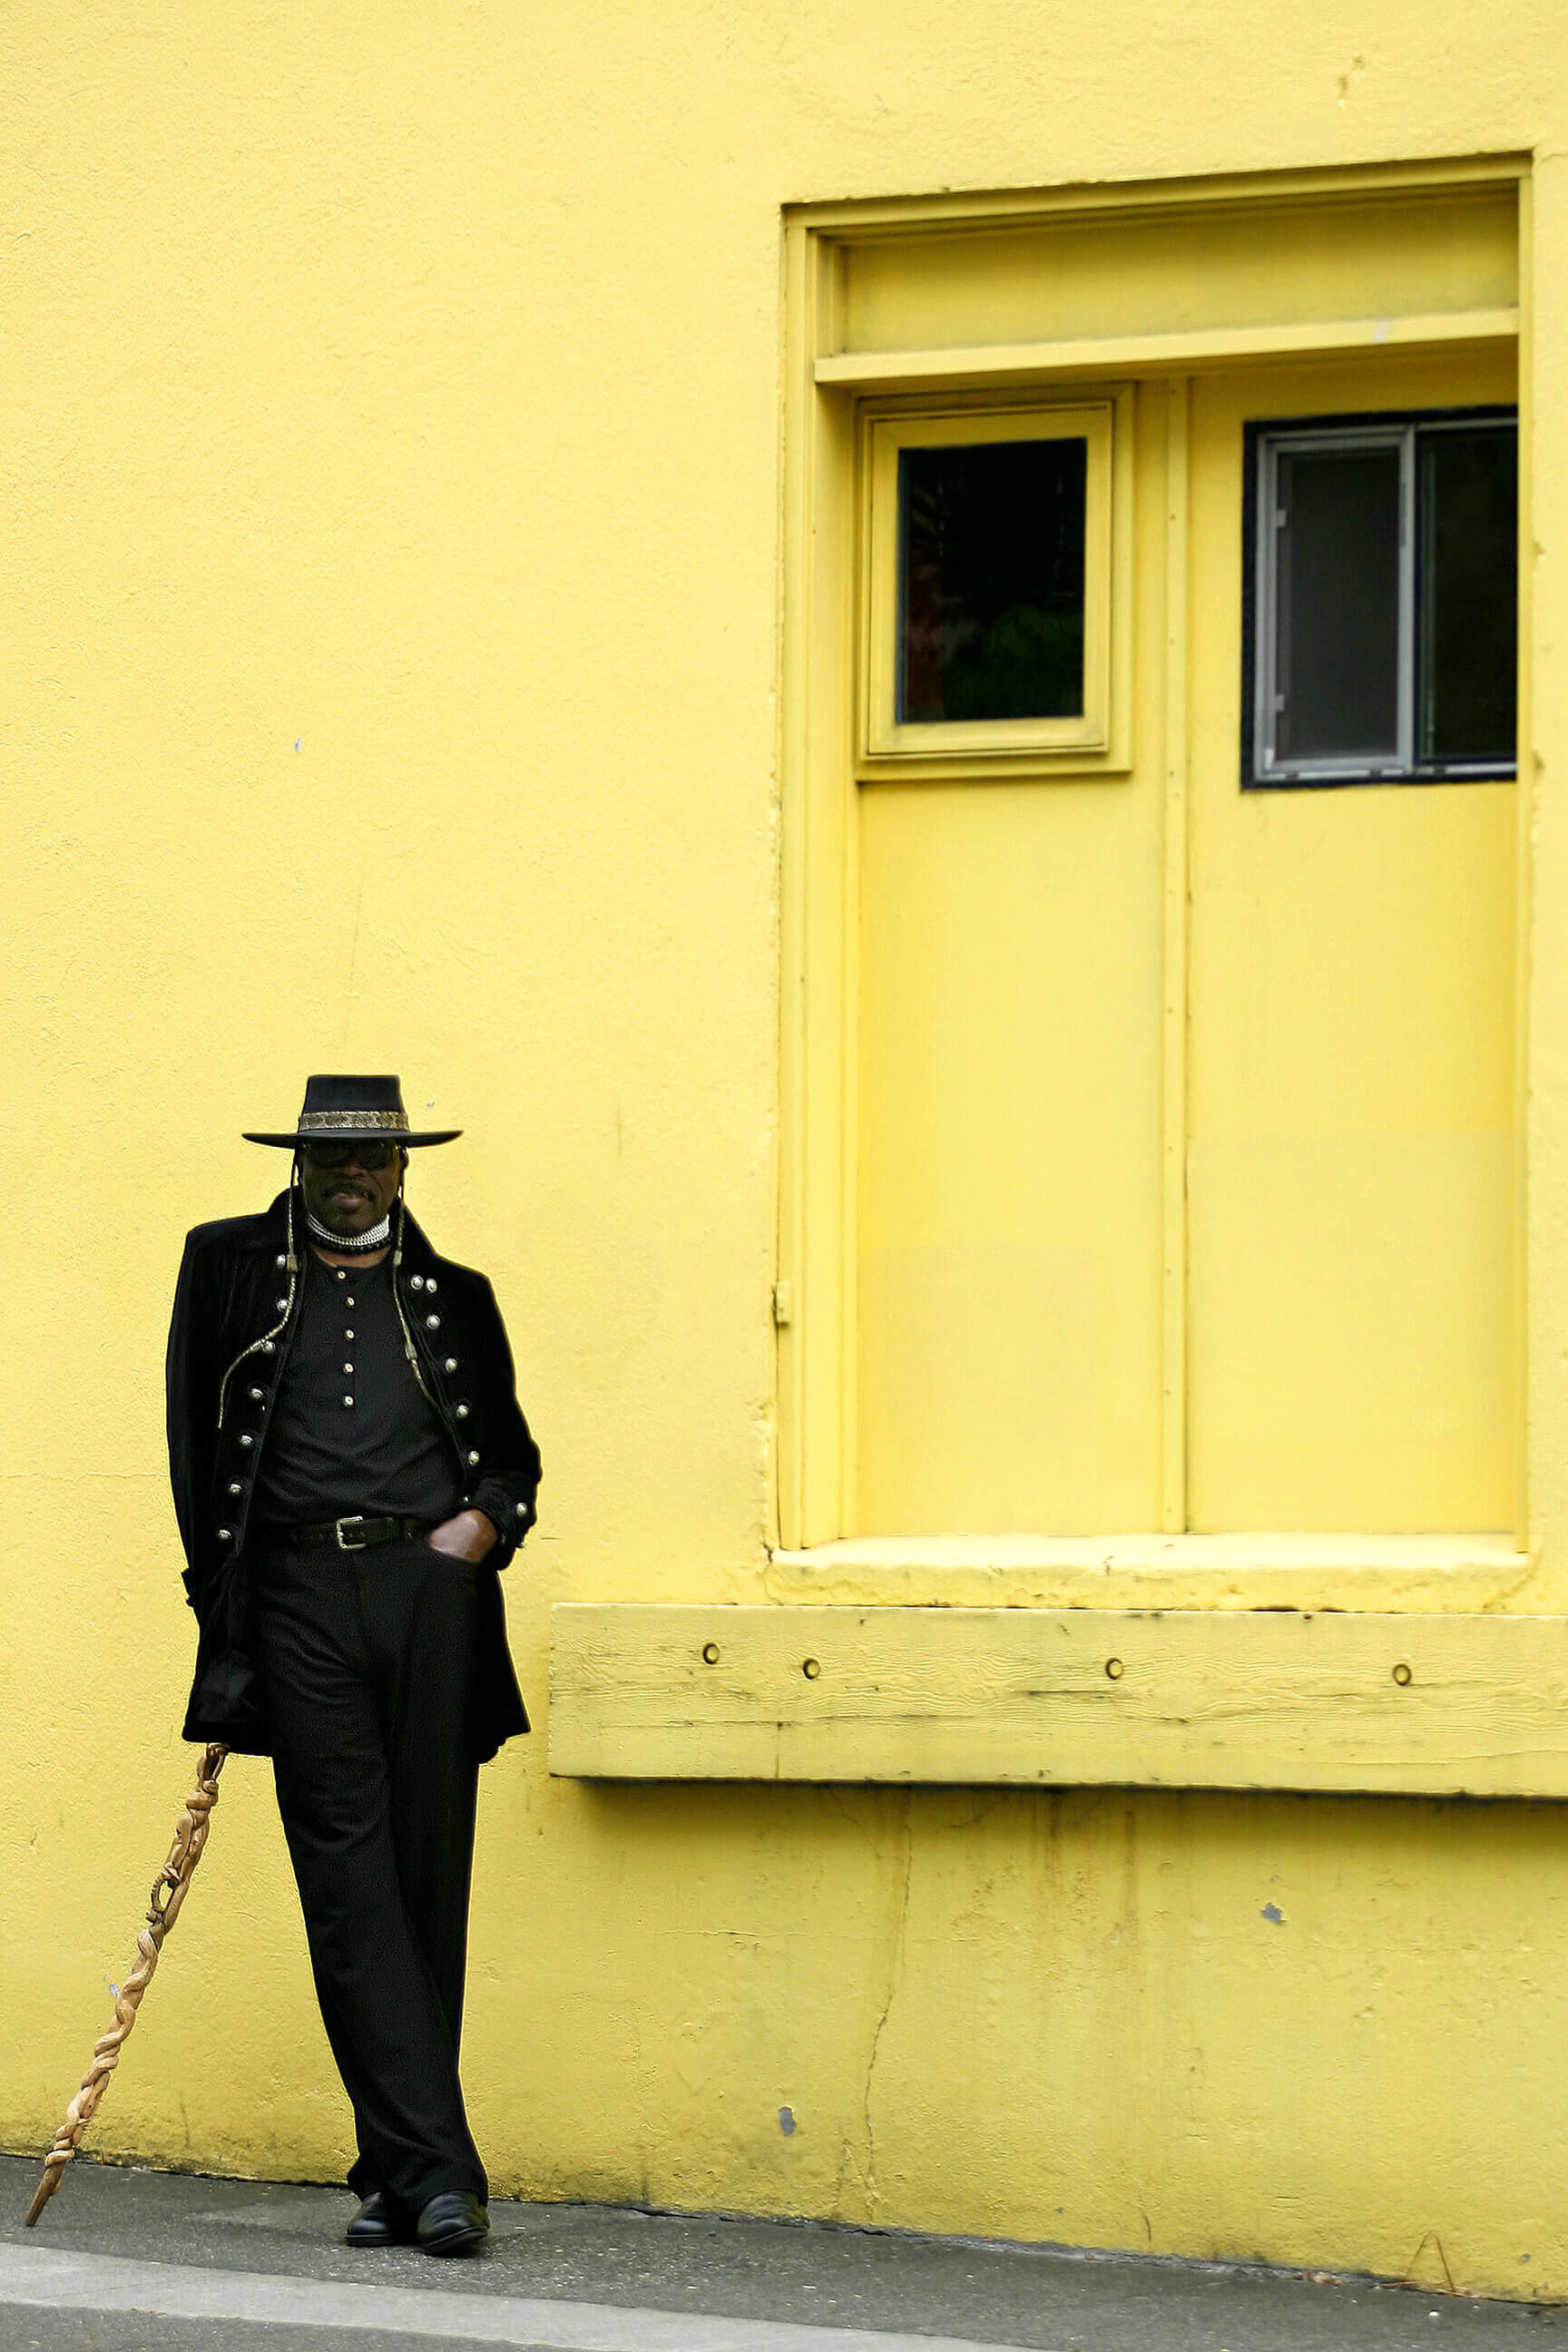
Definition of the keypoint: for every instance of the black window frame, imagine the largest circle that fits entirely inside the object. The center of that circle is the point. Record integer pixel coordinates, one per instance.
(1325, 776)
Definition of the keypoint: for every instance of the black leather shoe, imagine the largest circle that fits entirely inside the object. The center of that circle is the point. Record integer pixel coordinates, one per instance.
(377, 2223)
(452, 2222)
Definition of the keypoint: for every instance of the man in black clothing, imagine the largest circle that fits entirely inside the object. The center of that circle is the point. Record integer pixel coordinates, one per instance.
(350, 1470)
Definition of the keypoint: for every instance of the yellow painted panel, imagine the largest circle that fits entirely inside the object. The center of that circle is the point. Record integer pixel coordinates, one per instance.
(1009, 1159)
(1351, 1168)
(1008, 1115)
(1181, 270)
(1260, 1699)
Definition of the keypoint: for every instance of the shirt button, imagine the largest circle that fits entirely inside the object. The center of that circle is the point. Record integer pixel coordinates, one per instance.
(282, 1262)
(257, 1395)
(348, 1400)
(236, 1488)
(416, 1282)
(270, 1346)
(461, 1411)
(245, 1438)
(473, 1459)
(223, 1534)
(431, 1284)
(342, 1272)
(451, 1363)
(432, 1322)
(349, 1302)
(282, 1307)
(347, 1333)
(349, 1368)
(522, 1510)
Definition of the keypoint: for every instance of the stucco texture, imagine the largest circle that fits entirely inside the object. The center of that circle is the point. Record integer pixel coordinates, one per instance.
(389, 681)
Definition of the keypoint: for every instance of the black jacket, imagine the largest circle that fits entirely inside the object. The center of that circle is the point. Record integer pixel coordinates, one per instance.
(237, 1310)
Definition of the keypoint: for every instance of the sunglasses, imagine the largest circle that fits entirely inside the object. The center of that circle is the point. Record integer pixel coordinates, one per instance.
(370, 1156)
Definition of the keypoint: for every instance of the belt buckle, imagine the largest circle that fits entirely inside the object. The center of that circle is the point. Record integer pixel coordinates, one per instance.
(354, 1519)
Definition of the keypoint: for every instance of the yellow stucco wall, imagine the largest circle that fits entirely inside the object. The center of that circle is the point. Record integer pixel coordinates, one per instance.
(388, 678)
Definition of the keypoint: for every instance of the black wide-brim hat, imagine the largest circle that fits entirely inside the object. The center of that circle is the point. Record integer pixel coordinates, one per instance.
(354, 1110)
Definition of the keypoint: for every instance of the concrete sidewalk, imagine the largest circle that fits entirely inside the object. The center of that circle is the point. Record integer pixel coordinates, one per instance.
(141, 2261)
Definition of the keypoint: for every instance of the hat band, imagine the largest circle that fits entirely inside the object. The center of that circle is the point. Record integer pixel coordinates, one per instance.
(351, 1122)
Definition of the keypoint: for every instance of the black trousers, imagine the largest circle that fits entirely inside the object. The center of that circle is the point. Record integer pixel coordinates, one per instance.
(367, 1666)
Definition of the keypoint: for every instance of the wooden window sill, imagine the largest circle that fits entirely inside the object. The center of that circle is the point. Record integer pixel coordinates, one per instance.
(1253, 1570)
(1262, 1696)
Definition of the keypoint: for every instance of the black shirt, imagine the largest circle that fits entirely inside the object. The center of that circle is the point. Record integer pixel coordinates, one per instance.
(351, 1428)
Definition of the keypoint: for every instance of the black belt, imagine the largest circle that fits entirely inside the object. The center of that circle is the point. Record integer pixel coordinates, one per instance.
(355, 1533)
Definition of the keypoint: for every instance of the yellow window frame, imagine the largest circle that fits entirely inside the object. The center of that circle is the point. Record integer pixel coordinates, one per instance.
(850, 359)
(1098, 739)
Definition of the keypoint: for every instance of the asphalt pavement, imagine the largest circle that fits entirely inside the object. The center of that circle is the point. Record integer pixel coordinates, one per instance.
(132, 2260)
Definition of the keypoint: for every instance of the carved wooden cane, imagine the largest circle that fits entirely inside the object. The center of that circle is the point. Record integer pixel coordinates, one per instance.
(163, 1910)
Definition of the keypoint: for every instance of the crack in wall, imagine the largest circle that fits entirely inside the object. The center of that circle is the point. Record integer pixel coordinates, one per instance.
(895, 1969)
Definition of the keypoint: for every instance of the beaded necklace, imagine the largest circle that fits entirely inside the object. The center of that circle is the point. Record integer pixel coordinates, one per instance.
(376, 1238)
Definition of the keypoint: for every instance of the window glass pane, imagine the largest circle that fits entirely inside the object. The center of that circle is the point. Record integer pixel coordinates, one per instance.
(1469, 607)
(1338, 665)
(990, 581)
